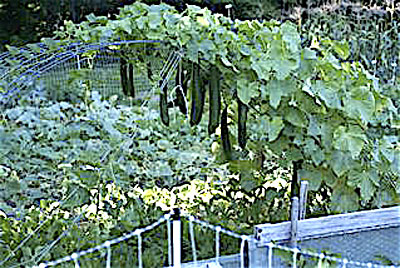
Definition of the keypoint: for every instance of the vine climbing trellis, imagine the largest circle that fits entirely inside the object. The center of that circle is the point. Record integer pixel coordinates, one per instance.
(296, 93)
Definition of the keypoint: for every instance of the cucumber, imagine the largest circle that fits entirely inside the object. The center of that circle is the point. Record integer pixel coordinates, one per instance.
(242, 130)
(180, 96)
(226, 144)
(126, 72)
(164, 104)
(197, 96)
(179, 101)
(123, 70)
(214, 100)
(149, 70)
(131, 83)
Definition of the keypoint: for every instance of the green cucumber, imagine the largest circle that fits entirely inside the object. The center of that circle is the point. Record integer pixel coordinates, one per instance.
(123, 67)
(197, 96)
(226, 144)
(214, 100)
(242, 130)
(164, 103)
(131, 83)
(181, 93)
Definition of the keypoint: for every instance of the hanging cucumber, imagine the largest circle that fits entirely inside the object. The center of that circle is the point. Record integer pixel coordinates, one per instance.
(126, 72)
(226, 144)
(242, 130)
(182, 91)
(123, 70)
(149, 70)
(215, 100)
(131, 83)
(197, 96)
(164, 104)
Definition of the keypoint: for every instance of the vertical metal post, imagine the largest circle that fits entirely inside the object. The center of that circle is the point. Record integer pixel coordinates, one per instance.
(294, 219)
(257, 256)
(176, 238)
(217, 244)
(168, 217)
(244, 252)
(303, 199)
(108, 246)
(270, 252)
(140, 259)
(192, 239)
(229, 8)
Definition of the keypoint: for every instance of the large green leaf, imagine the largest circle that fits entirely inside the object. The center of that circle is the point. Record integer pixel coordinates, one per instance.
(342, 48)
(314, 151)
(155, 18)
(314, 178)
(366, 181)
(291, 36)
(295, 117)
(280, 62)
(126, 25)
(343, 198)
(207, 47)
(350, 139)
(328, 94)
(283, 67)
(246, 90)
(262, 67)
(341, 162)
(314, 128)
(360, 104)
(142, 22)
(309, 54)
(387, 149)
(396, 163)
(275, 127)
(279, 88)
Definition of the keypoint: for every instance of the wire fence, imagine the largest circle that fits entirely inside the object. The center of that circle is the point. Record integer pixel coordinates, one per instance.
(174, 225)
(56, 73)
(95, 66)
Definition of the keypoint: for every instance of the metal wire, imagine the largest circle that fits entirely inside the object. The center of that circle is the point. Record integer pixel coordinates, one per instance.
(12, 253)
(31, 68)
(192, 239)
(169, 241)
(244, 238)
(242, 246)
(140, 250)
(106, 244)
(217, 244)
(270, 252)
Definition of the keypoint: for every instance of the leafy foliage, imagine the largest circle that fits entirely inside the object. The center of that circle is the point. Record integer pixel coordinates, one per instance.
(305, 103)
(97, 170)
(315, 104)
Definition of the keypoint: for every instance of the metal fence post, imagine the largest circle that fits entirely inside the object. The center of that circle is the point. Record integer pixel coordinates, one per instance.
(303, 199)
(294, 219)
(176, 238)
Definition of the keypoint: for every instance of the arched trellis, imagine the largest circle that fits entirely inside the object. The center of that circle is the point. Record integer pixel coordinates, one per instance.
(52, 66)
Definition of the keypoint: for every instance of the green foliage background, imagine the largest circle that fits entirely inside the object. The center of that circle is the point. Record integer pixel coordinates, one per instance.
(311, 103)
(309, 100)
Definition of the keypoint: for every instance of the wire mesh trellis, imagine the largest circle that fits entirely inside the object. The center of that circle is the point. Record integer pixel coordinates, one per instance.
(103, 75)
(34, 82)
(65, 71)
